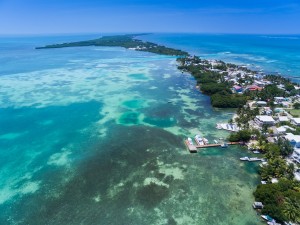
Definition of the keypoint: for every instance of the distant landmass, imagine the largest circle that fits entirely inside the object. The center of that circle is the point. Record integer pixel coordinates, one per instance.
(128, 41)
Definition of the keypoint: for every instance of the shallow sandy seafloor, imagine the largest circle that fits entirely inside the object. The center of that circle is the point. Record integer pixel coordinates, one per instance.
(100, 141)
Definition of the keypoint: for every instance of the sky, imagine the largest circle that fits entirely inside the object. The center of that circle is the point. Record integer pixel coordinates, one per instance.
(119, 16)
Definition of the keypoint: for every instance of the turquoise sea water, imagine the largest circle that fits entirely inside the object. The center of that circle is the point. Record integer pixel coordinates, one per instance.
(94, 135)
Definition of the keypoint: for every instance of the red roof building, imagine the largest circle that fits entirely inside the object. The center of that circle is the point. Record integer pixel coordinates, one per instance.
(254, 88)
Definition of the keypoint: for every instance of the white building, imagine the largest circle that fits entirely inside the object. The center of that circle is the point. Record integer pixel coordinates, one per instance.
(264, 120)
(279, 99)
(282, 129)
(293, 139)
(295, 121)
(283, 119)
(261, 103)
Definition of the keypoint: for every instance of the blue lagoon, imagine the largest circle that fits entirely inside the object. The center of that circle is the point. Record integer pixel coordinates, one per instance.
(94, 135)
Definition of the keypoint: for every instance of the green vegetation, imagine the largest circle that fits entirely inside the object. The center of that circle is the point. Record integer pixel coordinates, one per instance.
(212, 82)
(294, 112)
(228, 100)
(126, 41)
(297, 105)
(281, 200)
(242, 135)
(285, 147)
(245, 115)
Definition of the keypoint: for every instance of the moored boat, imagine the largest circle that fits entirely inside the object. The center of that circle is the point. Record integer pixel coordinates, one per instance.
(224, 145)
(190, 141)
(205, 141)
(199, 140)
(267, 218)
(244, 158)
(219, 126)
(254, 159)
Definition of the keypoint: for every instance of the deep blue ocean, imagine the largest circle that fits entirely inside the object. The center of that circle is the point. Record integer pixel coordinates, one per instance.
(94, 135)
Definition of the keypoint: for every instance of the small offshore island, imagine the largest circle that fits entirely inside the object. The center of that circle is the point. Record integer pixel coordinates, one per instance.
(268, 107)
(126, 41)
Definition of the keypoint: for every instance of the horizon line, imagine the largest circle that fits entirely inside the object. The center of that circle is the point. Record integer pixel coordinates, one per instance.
(135, 32)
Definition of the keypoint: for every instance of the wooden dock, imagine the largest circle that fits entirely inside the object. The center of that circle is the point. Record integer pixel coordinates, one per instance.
(193, 148)
(216, 145)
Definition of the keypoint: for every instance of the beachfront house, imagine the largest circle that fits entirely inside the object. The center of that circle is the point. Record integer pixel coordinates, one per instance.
(264, 120)
(295, 121)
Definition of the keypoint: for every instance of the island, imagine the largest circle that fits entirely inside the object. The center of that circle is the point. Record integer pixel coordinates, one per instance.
(128, 41)
(266, 120)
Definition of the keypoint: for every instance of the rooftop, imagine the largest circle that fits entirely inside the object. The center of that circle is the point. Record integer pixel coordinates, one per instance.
(292, 137)
(265, 118)
(283, 118)
(296, 120)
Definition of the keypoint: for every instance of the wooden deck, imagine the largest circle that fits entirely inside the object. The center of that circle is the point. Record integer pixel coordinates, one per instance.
(193, 148)
(216, 145)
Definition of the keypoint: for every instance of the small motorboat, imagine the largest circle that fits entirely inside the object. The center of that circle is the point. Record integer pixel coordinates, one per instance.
(190, 141)
(244, 158)
(224, 145)
(254, 159)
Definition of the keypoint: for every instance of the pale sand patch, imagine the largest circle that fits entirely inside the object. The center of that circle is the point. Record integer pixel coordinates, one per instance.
(60, 158)
(154, 180)
(171, 170)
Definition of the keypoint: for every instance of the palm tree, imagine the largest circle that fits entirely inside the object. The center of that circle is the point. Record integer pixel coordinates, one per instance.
(290, 171)
(291, 210)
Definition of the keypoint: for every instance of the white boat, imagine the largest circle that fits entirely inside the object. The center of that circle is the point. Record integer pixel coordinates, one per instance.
(190, 141)
(256, 152)
(268, 218)
(224, 145)
(205, 141)
(254, 159)
(219, 126)
(216, 142)
(199, 140)
(244, 158)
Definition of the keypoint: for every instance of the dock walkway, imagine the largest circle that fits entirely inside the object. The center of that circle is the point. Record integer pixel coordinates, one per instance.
(193, 148)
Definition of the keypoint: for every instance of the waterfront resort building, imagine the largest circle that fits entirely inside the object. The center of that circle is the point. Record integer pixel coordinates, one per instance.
(264, 120)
